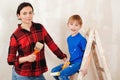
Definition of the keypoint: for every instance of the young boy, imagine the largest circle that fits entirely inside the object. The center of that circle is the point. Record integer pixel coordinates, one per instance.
(76, 45)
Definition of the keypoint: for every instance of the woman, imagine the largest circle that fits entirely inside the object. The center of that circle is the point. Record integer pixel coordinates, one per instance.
(26, 65)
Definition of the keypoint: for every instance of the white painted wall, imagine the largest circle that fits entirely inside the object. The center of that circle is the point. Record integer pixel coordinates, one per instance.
(53, 14)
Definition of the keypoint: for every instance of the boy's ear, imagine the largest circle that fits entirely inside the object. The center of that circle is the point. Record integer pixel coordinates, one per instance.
(67, 24)
(80, 26)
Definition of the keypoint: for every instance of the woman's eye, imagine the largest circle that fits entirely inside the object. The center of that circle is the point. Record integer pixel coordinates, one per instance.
(30, 12)
(24, 13)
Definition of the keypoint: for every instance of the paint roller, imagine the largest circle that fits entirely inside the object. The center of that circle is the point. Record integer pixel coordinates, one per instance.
(37, 48)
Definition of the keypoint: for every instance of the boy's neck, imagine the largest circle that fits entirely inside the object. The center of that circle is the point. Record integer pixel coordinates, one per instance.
(74, 34)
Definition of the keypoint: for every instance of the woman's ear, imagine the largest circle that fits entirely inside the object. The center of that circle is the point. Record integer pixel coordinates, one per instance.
(18, 15)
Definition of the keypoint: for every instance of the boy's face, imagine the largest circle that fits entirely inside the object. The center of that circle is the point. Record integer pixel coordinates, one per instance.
(74, 27)
(26, 15)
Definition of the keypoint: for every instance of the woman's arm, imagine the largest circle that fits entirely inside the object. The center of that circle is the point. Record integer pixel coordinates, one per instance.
(52, 46)
(29, 58)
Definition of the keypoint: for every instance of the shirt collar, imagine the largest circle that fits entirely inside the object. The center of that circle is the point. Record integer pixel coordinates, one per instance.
(20, 28)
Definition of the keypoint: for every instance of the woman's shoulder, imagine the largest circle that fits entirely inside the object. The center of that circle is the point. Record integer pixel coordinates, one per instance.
(17, 30)
(37, 24)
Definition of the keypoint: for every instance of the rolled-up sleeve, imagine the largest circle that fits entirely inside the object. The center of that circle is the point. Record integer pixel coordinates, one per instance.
(13, 47)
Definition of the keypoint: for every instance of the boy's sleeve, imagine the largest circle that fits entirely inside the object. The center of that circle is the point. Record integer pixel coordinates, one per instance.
(83, 44)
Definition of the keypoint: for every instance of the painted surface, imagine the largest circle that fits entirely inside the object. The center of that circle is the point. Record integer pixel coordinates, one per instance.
(102, 14)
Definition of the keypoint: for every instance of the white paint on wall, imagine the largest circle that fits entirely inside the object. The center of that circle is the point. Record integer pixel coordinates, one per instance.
(103, 14)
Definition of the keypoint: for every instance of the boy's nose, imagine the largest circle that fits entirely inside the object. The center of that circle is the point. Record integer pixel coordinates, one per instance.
(72, 27)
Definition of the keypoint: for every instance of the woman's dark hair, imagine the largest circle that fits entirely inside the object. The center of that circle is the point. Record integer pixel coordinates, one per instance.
(22, 5)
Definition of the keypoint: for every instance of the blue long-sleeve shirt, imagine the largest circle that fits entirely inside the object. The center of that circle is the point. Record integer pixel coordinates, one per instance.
(76, 46)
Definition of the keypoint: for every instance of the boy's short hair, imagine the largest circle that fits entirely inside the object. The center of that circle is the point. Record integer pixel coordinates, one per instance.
(75, 18)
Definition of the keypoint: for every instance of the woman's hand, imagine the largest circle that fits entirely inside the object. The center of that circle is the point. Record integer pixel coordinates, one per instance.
(65, 63)
(29, 58)
(64, 59)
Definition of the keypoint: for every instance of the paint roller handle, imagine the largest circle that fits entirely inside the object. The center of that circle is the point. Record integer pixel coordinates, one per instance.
(38, 47)
(66, 64)
(36, 51)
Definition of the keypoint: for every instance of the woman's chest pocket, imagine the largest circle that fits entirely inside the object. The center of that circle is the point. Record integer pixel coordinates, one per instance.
(25, 44)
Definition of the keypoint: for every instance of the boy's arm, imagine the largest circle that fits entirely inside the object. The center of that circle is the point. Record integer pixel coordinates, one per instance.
(85, 69)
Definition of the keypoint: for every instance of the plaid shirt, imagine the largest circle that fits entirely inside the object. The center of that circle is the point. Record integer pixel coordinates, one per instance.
(22, 43)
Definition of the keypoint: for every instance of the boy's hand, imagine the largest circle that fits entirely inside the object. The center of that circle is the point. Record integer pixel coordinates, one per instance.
(84, 71)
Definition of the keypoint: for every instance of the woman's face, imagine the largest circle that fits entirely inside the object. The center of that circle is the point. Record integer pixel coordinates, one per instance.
(26, 15)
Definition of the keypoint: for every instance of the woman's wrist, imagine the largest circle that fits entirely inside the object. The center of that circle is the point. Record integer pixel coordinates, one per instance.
(22, 60)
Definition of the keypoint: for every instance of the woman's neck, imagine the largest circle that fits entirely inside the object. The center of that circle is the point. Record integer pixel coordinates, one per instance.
(26, 26)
